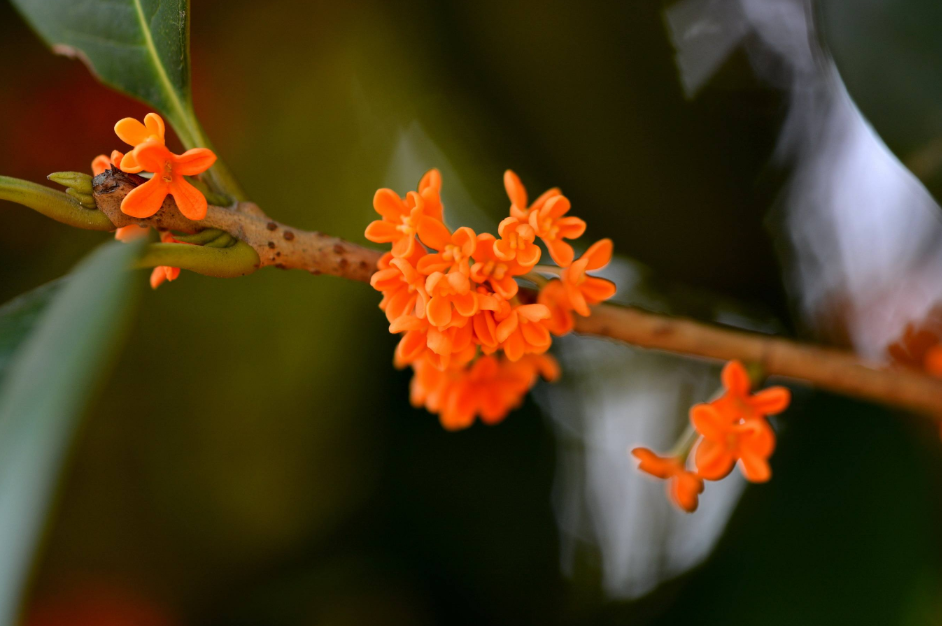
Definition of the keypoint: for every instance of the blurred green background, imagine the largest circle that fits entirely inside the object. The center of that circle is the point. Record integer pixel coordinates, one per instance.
(254, 460)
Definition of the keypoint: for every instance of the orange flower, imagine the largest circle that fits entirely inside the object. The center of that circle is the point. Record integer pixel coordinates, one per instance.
(520, 329)
(516, 243)
(554, 296)
(452, 301)
(403, 288)
(163, 273)
(400, 216)
(738, 403)
(453, 250)
(135, 134)
(169, 170)
(518, 197)
(683, 487)
(726, 441)
(552, 228)
(583, 290)
(102, 163)
(497, 273)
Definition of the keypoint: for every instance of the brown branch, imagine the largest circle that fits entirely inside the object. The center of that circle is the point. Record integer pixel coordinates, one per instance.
(289, 248)
(829, 369)
(277, 244)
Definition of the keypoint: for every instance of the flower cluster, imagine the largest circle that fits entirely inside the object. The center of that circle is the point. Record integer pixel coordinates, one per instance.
(150, 154)
(729, 430)
(476, 343)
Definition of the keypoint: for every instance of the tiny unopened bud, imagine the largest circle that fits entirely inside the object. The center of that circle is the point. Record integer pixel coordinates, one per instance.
(82, 183)
(84, 199)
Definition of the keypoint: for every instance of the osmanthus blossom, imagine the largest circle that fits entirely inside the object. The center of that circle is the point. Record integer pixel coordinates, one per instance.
(518, 197)
(163, 273)
(169, 172)
(475, 347)
(683, 486)
(730, 430)
(400, 220)
(516, 243)
(494, 272)
(583, 290)
(136, 134)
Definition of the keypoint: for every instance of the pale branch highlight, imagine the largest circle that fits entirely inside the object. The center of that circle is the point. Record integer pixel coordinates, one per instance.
(286, 247)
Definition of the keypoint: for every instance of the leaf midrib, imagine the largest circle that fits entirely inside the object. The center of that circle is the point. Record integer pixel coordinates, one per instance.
(162, 74)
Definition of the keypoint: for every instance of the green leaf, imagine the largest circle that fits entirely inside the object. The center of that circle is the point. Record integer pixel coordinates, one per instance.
(140, 47)
(19, 316)
(889, 53)
(53, 375)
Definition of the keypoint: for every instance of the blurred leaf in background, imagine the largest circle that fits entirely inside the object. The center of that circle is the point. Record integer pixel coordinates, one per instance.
(54, 373)
(889, 54)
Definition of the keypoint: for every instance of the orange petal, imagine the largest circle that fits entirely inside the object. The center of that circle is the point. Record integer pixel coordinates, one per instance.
(529, 256)
(555, 207)
(380, 231)
(151, 156)
(145, 200)
(597, 290)
(190, 200)
(438, 312)
(100, 165)
(131, 233)
(654, 464)
(536, 335)
(771, 401)
(465, 239)
(157, 277)
(599, 254)
(570, 227)
(544, 197)
(129, 163)
(712, 461)
(154, 124)
(515, 190)
(404, 247)
(684, 491)
(561, 251)
(736, 379)
(387, 203)
(507, 327)
(533, 312)
(433, 233)
(431, 180)
(709, 422)
(131, 132)
(755, 467)
(193, 162)
(466, 304)
(514, 347)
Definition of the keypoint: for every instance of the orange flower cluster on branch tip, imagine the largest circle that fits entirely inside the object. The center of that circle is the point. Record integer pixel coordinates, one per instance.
(475, 348)
(731, 429)
(150, 154)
